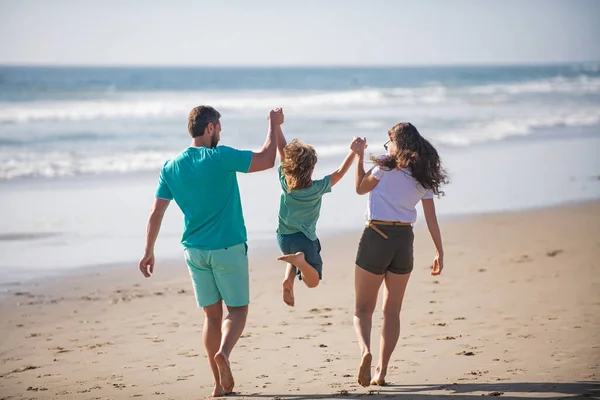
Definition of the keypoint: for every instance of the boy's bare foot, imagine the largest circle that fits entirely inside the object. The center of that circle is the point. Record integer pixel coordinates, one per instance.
(364, 371)
(293, 259)
(310, 276)
(225, 375)
(288, 292)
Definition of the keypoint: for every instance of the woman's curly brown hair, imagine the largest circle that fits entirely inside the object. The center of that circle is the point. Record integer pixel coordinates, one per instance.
(416, 154)
(298, 164)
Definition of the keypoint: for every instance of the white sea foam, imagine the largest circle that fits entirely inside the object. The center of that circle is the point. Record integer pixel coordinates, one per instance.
(52, 164)
(65, 164)
(50, 139)
(502, 128)
(576, 86)
(165, 105)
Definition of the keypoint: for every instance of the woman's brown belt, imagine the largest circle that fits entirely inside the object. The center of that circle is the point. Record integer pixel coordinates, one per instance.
(371, 224)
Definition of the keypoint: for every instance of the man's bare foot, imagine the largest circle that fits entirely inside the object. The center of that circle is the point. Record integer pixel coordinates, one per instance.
(364, 371)
(293, 259)
(288, 292)
(225, 375)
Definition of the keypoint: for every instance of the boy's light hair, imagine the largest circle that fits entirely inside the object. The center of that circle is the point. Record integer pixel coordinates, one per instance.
(298, 164)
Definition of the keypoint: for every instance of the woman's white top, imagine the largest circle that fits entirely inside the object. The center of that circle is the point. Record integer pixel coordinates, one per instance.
(395, 196)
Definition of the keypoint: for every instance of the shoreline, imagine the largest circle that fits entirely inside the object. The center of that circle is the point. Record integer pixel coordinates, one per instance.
(86, 218)
(262, 248)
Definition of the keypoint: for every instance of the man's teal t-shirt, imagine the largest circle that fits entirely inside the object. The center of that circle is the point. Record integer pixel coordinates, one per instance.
(204, 185)
(300, 209)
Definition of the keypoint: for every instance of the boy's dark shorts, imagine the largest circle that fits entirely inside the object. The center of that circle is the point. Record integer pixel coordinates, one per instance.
(295, 242)
(394, 254)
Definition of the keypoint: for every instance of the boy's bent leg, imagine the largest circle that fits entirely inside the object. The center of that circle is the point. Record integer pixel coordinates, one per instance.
(310, 276)
(211, 336)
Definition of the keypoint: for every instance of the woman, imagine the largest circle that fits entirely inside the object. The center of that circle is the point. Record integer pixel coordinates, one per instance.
(410, 172)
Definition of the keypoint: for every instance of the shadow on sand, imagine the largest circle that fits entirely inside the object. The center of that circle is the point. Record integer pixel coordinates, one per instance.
(464, 391)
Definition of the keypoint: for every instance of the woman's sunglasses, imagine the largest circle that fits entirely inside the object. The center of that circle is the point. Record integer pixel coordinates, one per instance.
(386, 144)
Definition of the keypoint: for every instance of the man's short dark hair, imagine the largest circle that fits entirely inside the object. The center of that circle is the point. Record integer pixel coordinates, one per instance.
(199, 119)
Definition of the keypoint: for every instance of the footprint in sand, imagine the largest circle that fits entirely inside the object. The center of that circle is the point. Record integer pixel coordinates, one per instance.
(59, 349)
(317, 310)
(18, 370)
(35, 389)
(477, 373)
(554, 253)
(524, 259)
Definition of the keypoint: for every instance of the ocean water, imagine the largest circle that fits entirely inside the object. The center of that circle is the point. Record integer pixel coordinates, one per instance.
(80, 147)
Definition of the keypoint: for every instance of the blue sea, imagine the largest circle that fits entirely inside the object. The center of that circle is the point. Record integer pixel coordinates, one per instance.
(80, 147)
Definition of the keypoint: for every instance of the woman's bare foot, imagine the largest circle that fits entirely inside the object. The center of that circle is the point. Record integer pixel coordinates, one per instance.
(225, 375)
(288, 292)
(379, 378)
(218, 391)
(364, 371)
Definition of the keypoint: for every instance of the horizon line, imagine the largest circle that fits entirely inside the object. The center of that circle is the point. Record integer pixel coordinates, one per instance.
(284, 66)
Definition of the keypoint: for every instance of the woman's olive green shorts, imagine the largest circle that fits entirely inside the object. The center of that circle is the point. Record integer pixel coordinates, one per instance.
(394, 254)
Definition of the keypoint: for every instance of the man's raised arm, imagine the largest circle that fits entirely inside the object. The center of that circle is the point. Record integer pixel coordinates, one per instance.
(265, 158)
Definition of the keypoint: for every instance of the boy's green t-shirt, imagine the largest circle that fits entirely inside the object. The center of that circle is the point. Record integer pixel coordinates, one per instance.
(300, 209)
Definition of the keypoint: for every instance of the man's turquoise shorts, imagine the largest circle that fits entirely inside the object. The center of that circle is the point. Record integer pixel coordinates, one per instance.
(220, 275)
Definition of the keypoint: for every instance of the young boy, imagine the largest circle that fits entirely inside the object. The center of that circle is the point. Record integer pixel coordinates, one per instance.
(299, 210)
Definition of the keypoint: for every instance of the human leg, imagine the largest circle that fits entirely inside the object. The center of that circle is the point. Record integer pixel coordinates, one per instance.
(366, 288)
(230, 268)
(288, 285)
(393, 293)
(211, 337)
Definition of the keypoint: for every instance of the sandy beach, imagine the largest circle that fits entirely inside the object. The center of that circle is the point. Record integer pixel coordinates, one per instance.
(515, 314)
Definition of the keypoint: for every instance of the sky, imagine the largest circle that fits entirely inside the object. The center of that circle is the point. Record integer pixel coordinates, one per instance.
(307, 32)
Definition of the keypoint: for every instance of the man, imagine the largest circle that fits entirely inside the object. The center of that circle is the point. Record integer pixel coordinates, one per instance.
(202, 180)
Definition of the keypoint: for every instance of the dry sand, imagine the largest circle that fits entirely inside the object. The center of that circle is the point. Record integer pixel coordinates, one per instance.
(516, 313)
